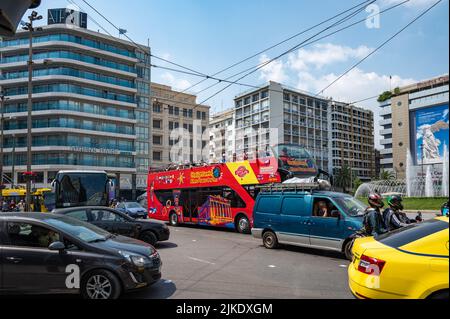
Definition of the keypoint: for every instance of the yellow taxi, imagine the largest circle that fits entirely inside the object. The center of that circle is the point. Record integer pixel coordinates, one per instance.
(411, 262)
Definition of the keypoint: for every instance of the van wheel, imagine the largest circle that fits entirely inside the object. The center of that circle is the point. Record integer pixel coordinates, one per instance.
(348, 249)
(101, 284)
(243, 225)
(173, 219)
(270, 240)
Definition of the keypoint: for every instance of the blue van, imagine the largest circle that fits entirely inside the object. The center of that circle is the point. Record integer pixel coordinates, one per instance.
(318, 219)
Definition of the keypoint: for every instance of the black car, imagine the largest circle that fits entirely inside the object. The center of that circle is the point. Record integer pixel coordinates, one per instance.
(116, 222)
(53, 254)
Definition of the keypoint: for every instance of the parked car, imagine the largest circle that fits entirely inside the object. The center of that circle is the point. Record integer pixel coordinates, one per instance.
(40, 252)
(116, 222)
(410, 262)
(318, 219)
(132, 209)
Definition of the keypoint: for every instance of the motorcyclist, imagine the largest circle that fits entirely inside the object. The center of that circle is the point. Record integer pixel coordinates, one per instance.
(393, 216)
(445, 209)
(373, 219)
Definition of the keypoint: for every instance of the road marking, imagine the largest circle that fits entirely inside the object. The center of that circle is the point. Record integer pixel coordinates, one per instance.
(343, 266)
(272, 266)
(201, 260)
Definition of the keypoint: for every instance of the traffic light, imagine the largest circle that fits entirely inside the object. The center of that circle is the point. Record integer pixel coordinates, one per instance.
(11, 12)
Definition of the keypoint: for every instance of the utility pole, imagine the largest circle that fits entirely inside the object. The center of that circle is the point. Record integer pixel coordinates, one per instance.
(28, 175)
(2, 121)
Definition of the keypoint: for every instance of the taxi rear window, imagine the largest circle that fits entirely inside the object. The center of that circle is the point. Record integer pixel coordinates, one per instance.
(409, 234)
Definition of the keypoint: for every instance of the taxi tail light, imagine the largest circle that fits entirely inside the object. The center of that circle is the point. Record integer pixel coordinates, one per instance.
(370, 265)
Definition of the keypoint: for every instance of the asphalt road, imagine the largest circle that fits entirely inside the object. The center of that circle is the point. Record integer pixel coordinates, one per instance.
(210, 263)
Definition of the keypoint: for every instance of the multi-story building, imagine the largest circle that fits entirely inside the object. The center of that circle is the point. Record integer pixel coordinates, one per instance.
(334, 133)
(415, 119)
(221, 133)
(276, 114)
(91, 103)
(352, 140)
(179, 127)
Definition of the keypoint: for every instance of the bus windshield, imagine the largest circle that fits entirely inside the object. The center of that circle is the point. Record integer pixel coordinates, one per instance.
(81, 189)
(295, 159)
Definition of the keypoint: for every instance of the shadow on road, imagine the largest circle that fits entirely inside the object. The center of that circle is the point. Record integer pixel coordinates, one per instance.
(165, 245)
(218, 229)
(314, 251)
(163, 289)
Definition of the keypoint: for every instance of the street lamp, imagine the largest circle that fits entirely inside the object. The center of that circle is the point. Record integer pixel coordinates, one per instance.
(3, 98)
(29, 27)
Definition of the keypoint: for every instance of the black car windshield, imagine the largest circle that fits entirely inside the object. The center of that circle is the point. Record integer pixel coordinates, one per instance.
(133, 205)
(350, 205)
(78, 229)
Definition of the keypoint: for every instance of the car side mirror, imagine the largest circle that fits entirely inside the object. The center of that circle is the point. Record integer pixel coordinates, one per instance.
(57, 246)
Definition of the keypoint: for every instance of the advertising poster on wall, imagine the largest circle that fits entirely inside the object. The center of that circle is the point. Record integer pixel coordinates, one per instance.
(432, 129)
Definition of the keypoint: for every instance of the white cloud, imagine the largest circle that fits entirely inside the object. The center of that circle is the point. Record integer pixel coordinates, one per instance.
(175, 83)
(325, 54)
(274, 71)
(355, 86)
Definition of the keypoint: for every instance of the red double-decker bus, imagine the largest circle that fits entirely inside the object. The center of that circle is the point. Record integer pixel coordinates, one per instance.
(223, 194)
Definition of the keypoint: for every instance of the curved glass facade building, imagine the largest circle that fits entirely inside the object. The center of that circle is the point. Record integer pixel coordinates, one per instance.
(91, 106)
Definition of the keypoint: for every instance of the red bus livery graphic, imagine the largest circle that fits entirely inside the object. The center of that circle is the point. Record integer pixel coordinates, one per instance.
(222, 195)
(241, 172)
(216, 195)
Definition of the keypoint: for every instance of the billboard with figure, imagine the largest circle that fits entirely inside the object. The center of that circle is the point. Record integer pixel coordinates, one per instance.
(431, 128)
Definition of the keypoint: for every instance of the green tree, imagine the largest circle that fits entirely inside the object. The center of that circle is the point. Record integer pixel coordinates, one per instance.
(387, 175)
(356, 183)
(344, 177)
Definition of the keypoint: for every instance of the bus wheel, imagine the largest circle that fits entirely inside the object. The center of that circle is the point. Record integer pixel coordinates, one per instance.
(243, 225)
(173, 219)
(270, 240)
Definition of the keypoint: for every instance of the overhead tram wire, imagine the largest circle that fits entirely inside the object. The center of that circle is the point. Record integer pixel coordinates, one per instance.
(235, 64)
(275, 45)
(207, 76)
(306, 44)
(380, 46)
(281, 55)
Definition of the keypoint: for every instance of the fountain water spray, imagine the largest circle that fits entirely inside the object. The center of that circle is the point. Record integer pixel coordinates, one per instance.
(409, 175)
(429, 183)
(445, 172)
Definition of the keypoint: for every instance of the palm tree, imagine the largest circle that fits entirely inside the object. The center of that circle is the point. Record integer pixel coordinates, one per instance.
(387, 175)
(344, 177)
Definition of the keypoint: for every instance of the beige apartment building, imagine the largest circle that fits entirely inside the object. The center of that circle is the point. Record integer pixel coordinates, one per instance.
(179, 127)
(222, 135)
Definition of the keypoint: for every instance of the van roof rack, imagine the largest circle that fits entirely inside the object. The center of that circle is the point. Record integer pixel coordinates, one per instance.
(300, 187)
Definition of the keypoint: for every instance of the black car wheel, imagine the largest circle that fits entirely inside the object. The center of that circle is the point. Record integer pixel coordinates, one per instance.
(440, 295)
(101, 284)
(348, 249)
(243, 225)
(149, 237)
(173, 219)
(270, 240)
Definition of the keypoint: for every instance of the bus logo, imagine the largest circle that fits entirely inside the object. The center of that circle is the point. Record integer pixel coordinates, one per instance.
(241, 172)
(216, 172)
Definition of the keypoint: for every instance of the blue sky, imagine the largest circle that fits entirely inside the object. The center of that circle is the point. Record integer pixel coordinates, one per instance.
(208, 35)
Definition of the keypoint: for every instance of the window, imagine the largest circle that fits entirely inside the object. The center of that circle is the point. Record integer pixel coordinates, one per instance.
(142, 133)
(157, 156)
(157, 108)
(264, 94)
(79, 214)
(157, 124)
(157, 140)
(106, 216)
(323, 207)
(30, 235)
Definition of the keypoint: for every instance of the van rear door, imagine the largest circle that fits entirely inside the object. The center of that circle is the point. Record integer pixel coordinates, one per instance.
(267, 212)
(294, 220)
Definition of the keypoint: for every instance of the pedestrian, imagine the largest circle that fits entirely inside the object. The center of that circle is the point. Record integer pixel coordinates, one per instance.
(245, 156)
(224, 157)
(12, 205)
(21, 206)
(234, 157)
(5, 206)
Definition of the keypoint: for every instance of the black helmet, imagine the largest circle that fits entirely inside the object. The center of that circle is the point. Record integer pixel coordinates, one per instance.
(375, 200)
(395, 202)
